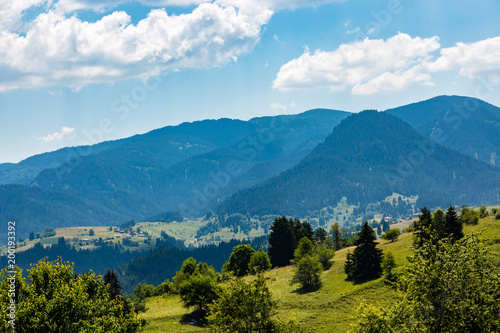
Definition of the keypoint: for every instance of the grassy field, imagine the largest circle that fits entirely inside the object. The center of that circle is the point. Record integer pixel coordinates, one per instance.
(332, 308)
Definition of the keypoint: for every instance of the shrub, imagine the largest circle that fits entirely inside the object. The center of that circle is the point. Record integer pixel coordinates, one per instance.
(391, 235)
(305, 247)
(483, 212)
(308, 272)
(240, 258)
(259, 262)
(324, 255)
(469, 216)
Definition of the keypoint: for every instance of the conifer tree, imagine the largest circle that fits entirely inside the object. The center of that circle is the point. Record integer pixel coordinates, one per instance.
(281, 242)
(366, 256)
(453, 224)
(115, 288)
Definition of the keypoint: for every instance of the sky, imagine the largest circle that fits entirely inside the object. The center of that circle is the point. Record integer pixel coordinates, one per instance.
(76, 72)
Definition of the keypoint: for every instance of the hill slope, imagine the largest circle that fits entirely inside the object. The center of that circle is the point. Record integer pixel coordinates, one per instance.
(333, 307)
(368, 157)
(465, 124)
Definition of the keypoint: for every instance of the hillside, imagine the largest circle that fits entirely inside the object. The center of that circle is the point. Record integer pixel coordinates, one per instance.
(158, 171)
(465, 124)
(332, 308)
(368, 157)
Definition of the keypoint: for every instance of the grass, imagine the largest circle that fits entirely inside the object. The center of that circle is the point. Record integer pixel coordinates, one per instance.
(332, 308)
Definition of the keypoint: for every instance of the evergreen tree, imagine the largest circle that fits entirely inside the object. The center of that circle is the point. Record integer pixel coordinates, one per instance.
(115, 288)
(366, 256)
(439, 223)
(349, 266)
(453, 224)
(281, 242)
(336, 236)
(302, 229)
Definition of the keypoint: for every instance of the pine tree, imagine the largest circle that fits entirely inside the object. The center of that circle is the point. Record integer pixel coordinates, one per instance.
(453, 224)
(349, 266)
(439, 224)
(366, 256)
(282, 242)
(115, 288)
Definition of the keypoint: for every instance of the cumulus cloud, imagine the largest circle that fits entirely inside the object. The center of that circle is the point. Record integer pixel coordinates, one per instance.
(57, 49)
(366, 66)
(371, 66)
(66, 132)
(471, 60)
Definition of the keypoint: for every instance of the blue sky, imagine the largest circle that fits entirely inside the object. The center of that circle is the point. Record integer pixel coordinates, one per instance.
(81, 71)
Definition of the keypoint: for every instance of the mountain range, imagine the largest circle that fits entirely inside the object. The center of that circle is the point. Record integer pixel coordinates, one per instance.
(440, 150)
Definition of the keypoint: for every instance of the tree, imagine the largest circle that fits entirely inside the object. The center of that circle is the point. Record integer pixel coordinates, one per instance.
(439, 223)
(239, 259)
(324, 254)
(454, 226)
(111, 280)
(366, 256)
(91, 232)
(448, 286)
(305, 247)
(336, 236)
(57, 300)
(259, 262)
(32, 236)
(349, 266)
(302, 229)
(281, 242)
(391, 235)
(320, 235)
(388, 264)
(469, 216)
(245, 307)
(483, 212)
(308, 272)
(198, 291)
(187, 269)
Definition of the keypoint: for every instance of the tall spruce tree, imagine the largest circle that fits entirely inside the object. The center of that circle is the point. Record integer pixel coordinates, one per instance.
(115, 288)
(439, 224)
(282, 242)
(366, 256)
(453, 224)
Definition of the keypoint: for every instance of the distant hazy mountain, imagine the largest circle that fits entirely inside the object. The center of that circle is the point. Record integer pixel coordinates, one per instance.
(465, 124)
(368, 157)
(159, 171)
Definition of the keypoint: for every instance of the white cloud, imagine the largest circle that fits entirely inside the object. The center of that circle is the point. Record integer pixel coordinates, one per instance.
(61, 50)
(63, 134)
(69, 6)
(471, 60)
(367, 66)
(278, 106)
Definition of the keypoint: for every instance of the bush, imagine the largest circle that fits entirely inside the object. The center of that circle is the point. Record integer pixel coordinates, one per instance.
(391, 235)
(469, 216)
(259, 262)
(483, 212)
(198, 291)
(308, 272)
(305, 247)
(388, 264)
(324, 255)
(497, 217)
(164, 288)
(239, 259)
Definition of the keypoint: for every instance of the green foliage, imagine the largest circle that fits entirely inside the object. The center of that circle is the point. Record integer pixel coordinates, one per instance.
(55, 300)
(91, 232)
(494, 211)
(259, 262)
(240, 259)
(163, 288)
(366, 258)
(449, 286)
(281, 242)
(245, 307)
(469, 216)
(320, 235)
(324, 254)
(439, 226)
(198, 291)
(454, 226)
(391, 234)
(114, 286)
(439, 223)
(308, 272)
(48, 232)
(483, 212)
(388, 264)
(305, 247)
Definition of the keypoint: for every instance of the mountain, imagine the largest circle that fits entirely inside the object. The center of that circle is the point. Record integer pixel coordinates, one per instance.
(158, 171)
(465, 124)
(26, 171)
(368, 157)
